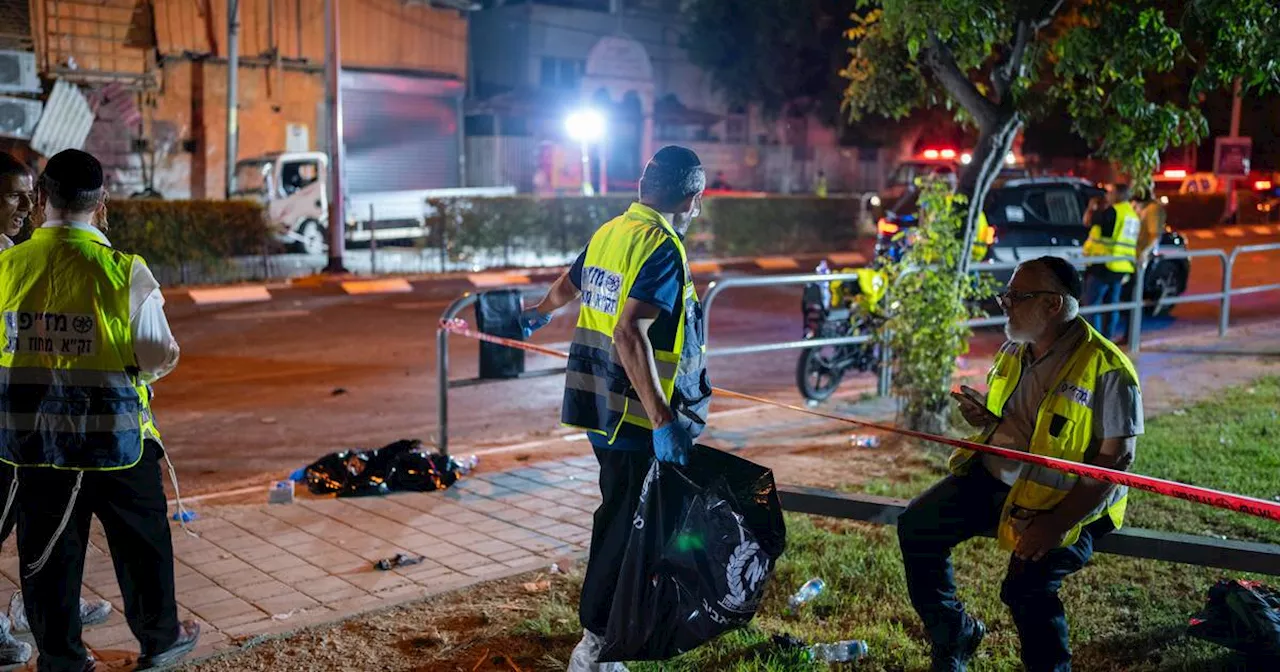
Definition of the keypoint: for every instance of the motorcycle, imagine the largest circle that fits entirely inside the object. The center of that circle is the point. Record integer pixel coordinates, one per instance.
(830, 312)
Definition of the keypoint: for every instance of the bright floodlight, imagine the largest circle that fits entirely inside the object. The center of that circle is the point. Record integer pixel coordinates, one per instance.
(966, 158)
(1010, 158)
(585, 125)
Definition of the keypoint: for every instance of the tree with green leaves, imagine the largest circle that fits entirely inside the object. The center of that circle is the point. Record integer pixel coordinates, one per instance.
(997, 64)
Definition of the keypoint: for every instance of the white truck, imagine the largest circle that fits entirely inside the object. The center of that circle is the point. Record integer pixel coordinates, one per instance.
(294, 187)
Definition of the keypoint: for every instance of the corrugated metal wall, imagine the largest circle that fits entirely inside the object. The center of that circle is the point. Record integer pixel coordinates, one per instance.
(375, 33)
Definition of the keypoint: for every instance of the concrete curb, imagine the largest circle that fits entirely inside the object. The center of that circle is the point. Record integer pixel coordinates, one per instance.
(340, 285)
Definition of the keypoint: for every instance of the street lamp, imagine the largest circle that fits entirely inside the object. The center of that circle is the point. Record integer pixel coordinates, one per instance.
(587, 126)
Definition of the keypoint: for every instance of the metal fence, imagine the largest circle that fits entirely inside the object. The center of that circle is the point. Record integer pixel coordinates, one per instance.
(1134, 305)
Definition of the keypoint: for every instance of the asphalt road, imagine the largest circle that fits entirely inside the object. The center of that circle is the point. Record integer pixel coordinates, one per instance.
(264, 388)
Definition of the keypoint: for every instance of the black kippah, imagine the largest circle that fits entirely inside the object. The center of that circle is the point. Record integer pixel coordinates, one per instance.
(1066, 274)
(74, 170)
(676, 157)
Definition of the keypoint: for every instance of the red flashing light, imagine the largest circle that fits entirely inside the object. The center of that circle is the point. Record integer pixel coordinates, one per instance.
(886, 227)
(1175, 173)
(930, 153)
(1262, 185)
(948, 153)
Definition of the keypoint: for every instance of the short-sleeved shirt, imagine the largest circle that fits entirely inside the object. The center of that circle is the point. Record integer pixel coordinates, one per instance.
(1116, 404)
(660, 284)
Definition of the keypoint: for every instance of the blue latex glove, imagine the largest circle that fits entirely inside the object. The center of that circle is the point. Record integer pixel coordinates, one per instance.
(671, 443)
(531, 320)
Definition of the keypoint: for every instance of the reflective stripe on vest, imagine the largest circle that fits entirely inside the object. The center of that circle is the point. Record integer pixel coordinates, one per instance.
(67, 399)
(1066, 410)
(1123, 241)
(598, 395)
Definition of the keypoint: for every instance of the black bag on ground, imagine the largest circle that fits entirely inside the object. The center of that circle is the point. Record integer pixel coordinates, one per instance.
(704, 542)
(1241, 615)
(398, 466)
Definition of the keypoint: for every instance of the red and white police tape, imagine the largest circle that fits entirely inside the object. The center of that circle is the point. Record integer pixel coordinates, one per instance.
(1215, 498)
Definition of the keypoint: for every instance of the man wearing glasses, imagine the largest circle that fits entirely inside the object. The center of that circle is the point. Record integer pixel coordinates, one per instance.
(1056, 388)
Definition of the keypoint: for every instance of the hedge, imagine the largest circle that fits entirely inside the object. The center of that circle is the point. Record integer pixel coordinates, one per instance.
(728, 226)
(183, 234)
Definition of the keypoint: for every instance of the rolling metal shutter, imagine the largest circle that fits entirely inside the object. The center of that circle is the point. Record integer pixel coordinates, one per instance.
(401, 133)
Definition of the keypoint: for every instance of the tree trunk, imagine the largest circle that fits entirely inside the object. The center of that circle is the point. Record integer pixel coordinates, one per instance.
(994, 143)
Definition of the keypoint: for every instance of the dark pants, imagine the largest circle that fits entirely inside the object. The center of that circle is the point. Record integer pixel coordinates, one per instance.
(622, 474)
(1103, 286)
(958, 508)
(131, 506)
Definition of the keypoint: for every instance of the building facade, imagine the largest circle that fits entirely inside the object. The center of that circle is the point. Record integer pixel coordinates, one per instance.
(535, 61)
(156, 73)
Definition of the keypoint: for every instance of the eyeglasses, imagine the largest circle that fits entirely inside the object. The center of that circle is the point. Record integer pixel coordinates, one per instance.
(1010, 297)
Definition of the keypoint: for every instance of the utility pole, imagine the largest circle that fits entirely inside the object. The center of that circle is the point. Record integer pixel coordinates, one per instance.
(333, 105)
(1232, 203)
(233, 90)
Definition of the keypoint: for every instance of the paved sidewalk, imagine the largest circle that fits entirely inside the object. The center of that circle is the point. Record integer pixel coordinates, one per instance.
(266, 569)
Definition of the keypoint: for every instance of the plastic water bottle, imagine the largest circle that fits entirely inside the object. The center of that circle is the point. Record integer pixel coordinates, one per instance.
(824, 269)
(838, 652)
(864, 441)
(466, 464)
(811, 589)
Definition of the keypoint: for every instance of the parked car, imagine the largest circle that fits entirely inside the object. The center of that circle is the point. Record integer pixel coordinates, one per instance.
(1033, 217)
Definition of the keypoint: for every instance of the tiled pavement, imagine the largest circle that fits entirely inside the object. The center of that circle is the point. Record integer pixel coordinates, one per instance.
(267, 569)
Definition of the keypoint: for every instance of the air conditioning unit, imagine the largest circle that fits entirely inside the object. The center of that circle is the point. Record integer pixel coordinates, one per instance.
(18, 116)
(18, 72)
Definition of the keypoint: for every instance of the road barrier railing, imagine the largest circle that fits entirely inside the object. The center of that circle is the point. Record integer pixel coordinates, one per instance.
(1134, 306)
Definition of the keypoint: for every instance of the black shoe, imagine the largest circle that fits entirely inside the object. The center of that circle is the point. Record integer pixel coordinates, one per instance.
(957, 657)
(188, 635)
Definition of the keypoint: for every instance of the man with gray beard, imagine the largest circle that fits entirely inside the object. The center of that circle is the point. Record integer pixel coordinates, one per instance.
(1056, 388)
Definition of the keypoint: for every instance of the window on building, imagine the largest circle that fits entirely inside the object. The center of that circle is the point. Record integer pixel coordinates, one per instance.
(561, 73)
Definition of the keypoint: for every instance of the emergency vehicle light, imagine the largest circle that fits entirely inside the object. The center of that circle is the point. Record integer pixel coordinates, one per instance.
(1262, 185)
(966, 158)
(1175, 173)
(930, 153)
(948, 153)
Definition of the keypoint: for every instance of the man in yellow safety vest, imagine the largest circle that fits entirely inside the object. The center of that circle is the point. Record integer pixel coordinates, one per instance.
(82, 336)
(1056, 388)
(1113, 232)
(636, 380)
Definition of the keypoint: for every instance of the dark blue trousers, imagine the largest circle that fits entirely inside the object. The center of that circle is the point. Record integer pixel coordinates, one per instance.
(956, 509)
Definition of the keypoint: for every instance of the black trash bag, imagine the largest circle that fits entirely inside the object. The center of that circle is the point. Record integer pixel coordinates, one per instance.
(402, 465)
(1241, 615)
(704, 542)
(419, 471)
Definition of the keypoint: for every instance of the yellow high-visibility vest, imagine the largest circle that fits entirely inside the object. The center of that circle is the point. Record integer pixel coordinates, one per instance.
(1123, 241)
(68, 373)
(599, 397)
(1063, 429)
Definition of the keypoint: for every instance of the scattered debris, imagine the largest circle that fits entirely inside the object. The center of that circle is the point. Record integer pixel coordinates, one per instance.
(400, 560)
(289, 614)
(864, 441)
(810, 590)
(1180, 411)
(339, 391)
(267, 420)
(536, 586)
(280, 492)
(185, 516)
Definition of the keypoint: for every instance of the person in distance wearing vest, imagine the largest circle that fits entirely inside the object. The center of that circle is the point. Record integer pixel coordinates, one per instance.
(637, 379)
(1113, 232)
(84, 335)
(1056, 388)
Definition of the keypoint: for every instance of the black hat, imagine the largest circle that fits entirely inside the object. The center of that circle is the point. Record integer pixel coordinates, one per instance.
(1066, 274)
(74, 171)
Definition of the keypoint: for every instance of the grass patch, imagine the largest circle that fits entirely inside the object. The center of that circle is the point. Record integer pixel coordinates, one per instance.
(1126, 614)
